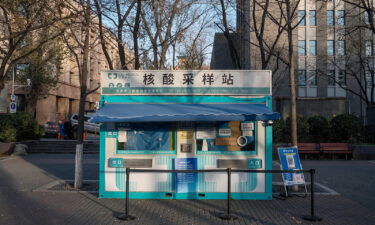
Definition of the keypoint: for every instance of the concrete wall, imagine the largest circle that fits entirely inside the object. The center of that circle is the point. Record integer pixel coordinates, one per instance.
(62, 108)
(46, 109)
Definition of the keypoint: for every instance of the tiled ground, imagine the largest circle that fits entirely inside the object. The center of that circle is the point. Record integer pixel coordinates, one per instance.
(19, 204)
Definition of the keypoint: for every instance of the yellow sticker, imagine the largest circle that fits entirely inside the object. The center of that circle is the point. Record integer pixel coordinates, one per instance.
(185, 135)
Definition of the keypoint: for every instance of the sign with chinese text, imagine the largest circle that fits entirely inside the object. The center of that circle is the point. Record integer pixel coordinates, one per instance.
(186, 182)
(289, 160)
(186, 82)
(115, 163)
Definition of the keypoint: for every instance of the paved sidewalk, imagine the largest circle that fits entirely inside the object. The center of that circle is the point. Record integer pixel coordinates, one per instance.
(19, 204)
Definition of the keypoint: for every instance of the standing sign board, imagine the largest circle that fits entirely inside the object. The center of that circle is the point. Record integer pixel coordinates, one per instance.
(289, 160)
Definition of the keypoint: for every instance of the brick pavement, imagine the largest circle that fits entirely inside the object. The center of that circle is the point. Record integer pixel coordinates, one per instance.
(20, 205)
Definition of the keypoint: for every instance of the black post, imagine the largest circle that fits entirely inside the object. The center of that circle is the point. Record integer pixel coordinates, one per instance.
(228, 215)
(126, 216)
(312, 216)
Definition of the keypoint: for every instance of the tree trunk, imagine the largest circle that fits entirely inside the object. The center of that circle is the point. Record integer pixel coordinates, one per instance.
(135, 34)
(155, 61)
(78, 176)
(292, 80)
(163, 56)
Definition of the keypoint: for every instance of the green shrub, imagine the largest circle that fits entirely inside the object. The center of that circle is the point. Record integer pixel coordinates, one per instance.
(319, 128)
(21, 125)
(345, 128)
(302, 129)
(8, 134)
(279, 132)
(368, 134)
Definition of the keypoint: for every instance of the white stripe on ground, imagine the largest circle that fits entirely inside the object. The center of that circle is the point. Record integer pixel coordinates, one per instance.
(328, 191)
(372, 162)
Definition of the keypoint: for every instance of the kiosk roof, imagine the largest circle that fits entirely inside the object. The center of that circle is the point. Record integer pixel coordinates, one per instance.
(143, 112)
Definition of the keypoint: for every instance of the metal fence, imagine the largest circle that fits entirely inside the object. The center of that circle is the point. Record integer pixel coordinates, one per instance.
(228, 214)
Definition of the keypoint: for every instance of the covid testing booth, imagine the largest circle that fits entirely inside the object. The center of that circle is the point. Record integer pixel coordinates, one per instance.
(206, 119)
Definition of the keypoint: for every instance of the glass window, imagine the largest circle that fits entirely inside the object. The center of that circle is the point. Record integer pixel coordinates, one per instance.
(331, 77)
(342, 77)
(301, 77)
(370, 78)
(312, 15)
(341, 17)
(341, 47)
(302, 48)
(366, 17)
(302, 17)
(368, 48)
(330, 17)
(330, 47)
(311, 78)
(312, 48)
(147, 137)
(225, 136)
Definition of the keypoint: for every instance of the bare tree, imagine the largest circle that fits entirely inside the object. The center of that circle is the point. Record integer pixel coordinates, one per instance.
(194, 46)
(281, 16)
(165, 22)
(354, 61)
(20, 21)
(77, 40)
(115, 13)
(234, 55)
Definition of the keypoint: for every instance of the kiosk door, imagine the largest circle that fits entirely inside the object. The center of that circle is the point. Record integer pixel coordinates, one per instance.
(185, 160)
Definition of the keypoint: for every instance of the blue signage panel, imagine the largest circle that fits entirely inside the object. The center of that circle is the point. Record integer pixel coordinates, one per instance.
(289, 160)
(116, 163)
(186, 182)
(254, 163)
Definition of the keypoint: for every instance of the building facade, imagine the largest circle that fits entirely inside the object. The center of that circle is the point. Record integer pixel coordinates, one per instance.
(333, 48)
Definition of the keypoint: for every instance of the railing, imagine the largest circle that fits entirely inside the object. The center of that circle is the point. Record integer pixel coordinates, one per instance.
(228, 215)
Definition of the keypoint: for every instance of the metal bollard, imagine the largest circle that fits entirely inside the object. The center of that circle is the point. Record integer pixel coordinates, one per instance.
(126, 216)
(312, 216)
(228, 215)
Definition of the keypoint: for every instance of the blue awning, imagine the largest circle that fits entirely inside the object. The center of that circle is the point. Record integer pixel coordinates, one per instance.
(140, 112)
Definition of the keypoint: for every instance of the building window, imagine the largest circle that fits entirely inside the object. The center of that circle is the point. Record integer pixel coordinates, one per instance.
(312, 15)
(302, 48)
(370, 79)
(342, 77)
(302, 17)
(330, 47)
(366, 18)
(301, 77)
(311, 78)
(312, 48)
(341, 17)
(368, 48)
(331, 77)
(330, 17)
(341, 47)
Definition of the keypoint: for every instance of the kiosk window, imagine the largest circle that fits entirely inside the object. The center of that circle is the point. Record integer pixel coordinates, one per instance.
(146, 136)
(226, 136)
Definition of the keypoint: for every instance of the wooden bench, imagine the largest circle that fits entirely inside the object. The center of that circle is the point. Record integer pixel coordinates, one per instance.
(335, 149)
(308, 149)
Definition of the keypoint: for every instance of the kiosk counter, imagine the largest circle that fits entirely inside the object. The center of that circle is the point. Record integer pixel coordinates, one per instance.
(185, 120)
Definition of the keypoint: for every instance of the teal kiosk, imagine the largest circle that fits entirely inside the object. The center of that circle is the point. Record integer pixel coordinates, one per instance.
(176, 119)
